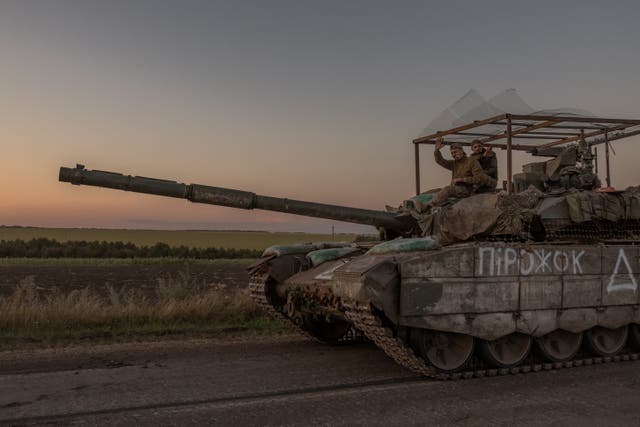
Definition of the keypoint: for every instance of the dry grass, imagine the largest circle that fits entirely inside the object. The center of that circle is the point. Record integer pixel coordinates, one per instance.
(181, 305)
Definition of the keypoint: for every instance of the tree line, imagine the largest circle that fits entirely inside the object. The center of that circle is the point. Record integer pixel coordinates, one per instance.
(51, 248)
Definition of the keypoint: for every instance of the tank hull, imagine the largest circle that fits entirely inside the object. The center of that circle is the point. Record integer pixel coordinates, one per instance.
(482, 293)
(490, 291)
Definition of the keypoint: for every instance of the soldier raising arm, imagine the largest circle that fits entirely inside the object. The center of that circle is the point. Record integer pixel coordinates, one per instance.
(467, 176)
(486, 157)
(447, 164)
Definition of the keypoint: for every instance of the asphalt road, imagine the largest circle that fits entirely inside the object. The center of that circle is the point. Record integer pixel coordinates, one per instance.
(293, 382)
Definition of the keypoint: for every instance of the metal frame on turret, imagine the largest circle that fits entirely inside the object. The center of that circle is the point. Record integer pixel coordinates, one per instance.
(536, 132)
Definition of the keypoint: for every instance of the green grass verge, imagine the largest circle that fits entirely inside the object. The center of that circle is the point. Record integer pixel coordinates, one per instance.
(35, 262)
(191, 238)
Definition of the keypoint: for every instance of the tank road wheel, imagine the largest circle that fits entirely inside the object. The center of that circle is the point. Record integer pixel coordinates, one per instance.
(507, 351)
(447, 351)
(606, 342)
(327, 332)
(634, 336)
(559, 345)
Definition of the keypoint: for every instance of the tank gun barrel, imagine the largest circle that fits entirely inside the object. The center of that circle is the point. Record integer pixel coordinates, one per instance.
(234, 198)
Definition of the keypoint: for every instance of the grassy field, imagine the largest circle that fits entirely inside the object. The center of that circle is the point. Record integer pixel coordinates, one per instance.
(35, 315)
(194, 239)
(71, 262)
(182, 307)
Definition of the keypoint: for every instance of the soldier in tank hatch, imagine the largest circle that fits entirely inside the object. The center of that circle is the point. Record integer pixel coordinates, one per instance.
(467, 176)
(486, 157)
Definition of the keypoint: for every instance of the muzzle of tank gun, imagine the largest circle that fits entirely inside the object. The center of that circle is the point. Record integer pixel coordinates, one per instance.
(97, 178)
(161, 187)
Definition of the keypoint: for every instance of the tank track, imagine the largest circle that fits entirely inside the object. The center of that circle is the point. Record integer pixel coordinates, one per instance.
(258, 293)
(373, 327)
(364, 319)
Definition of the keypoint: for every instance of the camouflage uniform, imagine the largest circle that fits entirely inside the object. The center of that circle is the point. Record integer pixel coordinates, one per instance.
(473, 177)
(489, 163)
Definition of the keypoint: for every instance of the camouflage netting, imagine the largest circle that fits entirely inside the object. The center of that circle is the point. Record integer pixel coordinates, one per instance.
(478, 215)
(593, 206)
(501, 214)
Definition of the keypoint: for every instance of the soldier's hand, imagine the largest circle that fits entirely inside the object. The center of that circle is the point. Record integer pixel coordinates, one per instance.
(488, 152)
(439, 143)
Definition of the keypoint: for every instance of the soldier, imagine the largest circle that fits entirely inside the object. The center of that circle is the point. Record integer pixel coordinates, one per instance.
(486, 157)
(467, 176)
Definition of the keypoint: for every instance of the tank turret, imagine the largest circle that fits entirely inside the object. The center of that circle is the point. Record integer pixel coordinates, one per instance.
(389, 224)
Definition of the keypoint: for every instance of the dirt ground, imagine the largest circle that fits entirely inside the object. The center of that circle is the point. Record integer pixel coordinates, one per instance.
(228, 276)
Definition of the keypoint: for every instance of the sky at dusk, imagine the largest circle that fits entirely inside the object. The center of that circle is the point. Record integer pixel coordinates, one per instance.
(316, 101)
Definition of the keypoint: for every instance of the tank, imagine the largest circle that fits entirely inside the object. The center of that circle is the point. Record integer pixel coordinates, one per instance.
(543, 277)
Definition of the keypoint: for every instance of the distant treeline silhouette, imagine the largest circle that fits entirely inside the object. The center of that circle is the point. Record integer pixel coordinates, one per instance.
(51, 248)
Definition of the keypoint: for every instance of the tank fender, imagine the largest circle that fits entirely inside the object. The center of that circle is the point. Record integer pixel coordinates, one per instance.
(282, 267)
(283, 261)
(370, 280)
(381, 285)
(258, 265)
